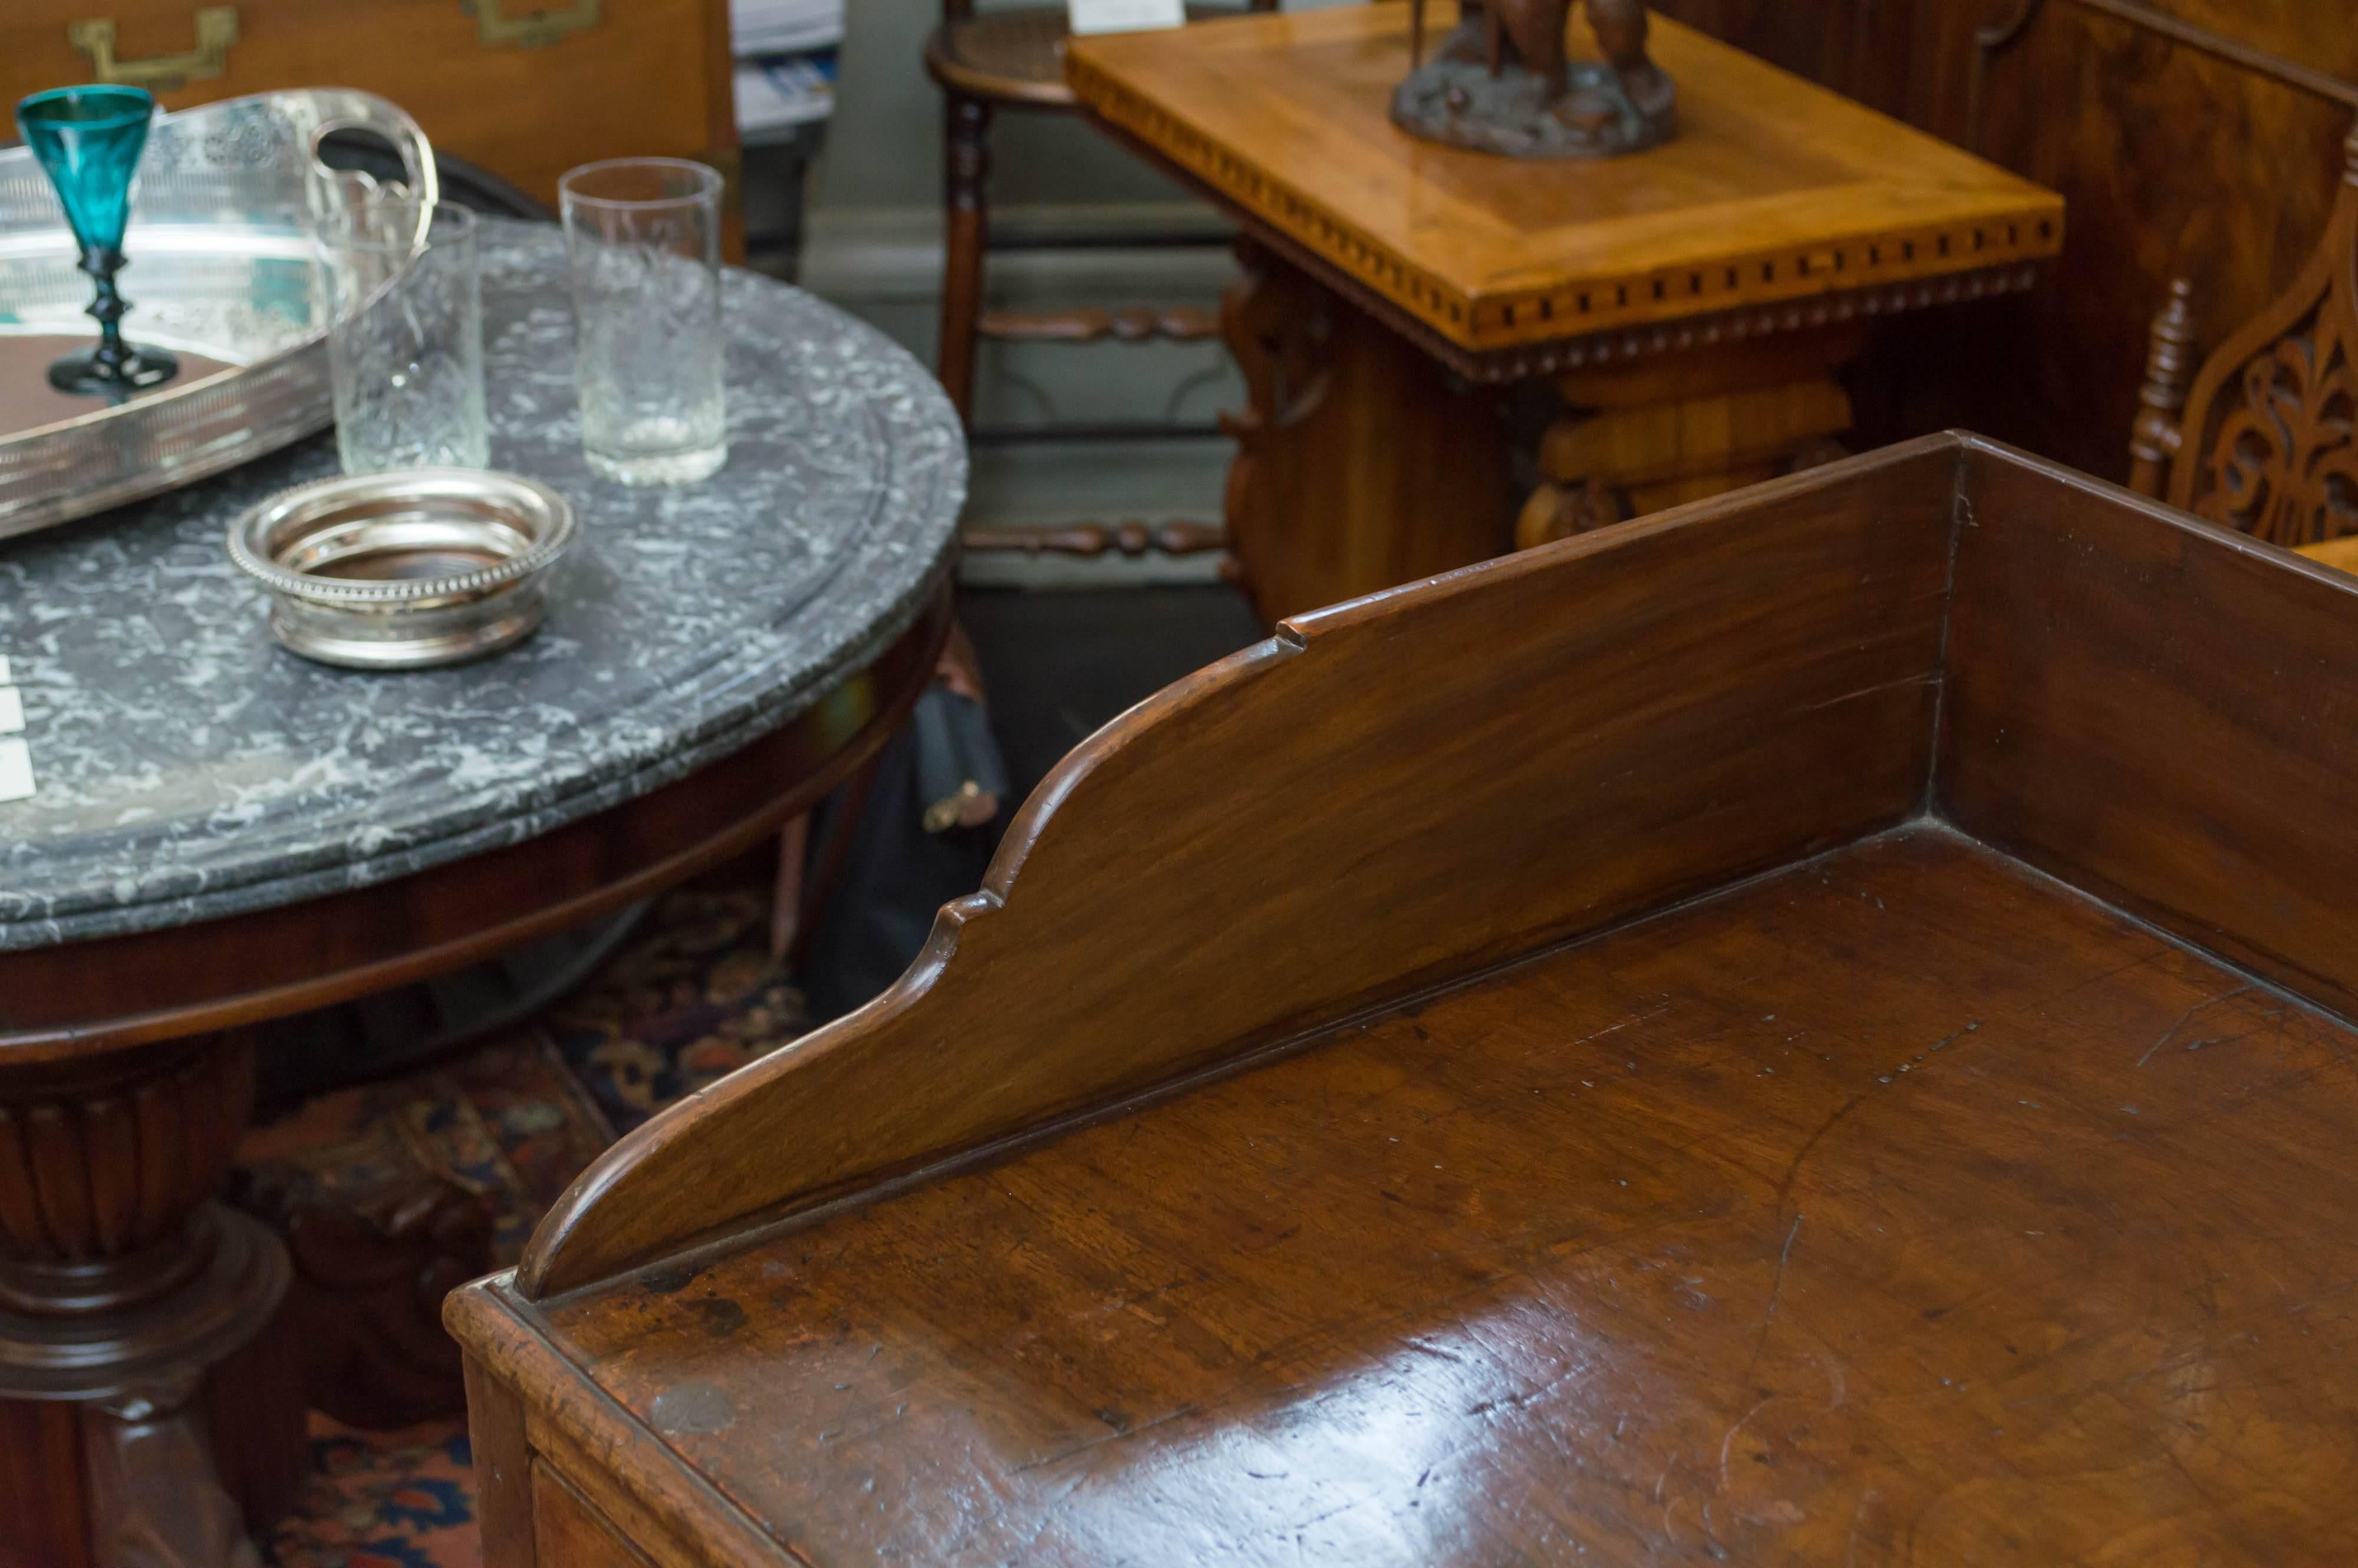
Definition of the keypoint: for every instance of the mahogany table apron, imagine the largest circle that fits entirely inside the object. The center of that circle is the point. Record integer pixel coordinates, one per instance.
(1667, 325)
(222, 834)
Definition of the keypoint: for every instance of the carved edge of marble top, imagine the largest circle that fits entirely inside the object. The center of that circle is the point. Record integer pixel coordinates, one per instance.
(1510, 333)
(1187, 813)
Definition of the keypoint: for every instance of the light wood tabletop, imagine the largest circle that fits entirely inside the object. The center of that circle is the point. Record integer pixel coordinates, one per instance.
(1773, 190)
(2341, 553)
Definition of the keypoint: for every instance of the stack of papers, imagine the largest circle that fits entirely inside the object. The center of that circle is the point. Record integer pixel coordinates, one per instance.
(784, 27)
(777, 94)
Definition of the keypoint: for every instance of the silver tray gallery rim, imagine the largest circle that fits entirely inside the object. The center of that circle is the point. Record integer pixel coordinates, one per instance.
(221, 219)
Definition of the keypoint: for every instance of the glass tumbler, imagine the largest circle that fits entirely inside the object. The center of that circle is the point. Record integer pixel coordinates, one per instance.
(405, 345)
(644, 236)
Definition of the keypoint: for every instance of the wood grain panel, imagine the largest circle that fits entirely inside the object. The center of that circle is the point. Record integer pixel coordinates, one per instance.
(503, 1499)
(43, 1496)
(2161, 711)
(1859, 48)
(2173, 161)
(645, 80)
(572, 1534)
(1386, 793)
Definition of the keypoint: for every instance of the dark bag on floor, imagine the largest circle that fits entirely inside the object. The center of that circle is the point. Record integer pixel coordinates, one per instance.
(887, 850)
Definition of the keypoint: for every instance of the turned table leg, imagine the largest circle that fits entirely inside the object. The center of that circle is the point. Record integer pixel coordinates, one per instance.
(127, 1298)
(1361, 463)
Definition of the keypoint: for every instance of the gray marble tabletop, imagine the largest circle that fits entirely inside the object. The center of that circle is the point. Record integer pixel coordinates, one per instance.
(185, 767)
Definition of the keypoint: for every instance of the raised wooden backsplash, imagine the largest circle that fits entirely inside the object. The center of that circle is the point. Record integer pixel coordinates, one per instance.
(2189, 137)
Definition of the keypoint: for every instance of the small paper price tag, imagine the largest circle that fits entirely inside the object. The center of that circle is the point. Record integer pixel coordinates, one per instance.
(1125, 16)
(15, 769)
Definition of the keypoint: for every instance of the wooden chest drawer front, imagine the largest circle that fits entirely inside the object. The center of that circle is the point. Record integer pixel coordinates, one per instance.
(567, 1532)
(648, 77)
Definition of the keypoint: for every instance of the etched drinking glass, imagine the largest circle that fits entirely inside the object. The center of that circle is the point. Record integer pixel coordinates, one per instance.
(405, 347)
(644, 235)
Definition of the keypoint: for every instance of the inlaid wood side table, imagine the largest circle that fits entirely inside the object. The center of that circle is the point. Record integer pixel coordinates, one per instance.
(221, 834)
(1684, 307)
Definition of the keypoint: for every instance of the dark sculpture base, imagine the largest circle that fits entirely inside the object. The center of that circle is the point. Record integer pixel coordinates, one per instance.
(1454, 99)
(87, 372)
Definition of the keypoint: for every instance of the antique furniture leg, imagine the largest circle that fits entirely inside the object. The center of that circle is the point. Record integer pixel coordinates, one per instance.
(1361, 462)
(965, 174)
(2154, 439)
(122, 1285)
(1682, 426)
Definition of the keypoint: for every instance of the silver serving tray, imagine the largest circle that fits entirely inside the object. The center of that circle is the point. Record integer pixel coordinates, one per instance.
(222, 272)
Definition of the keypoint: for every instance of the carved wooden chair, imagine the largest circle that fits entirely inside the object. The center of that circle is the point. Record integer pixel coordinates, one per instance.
(2262, 441)
(986, 62)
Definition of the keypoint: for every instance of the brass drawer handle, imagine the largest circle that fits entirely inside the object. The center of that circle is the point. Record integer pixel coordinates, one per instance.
(493, 26)
(216, 30)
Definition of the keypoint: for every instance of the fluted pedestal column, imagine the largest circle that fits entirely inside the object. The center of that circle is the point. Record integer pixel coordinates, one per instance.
(141, 1421)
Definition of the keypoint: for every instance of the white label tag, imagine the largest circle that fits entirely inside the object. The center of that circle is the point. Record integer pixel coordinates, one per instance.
(1126, 16)
(12, 710)
(15, 769)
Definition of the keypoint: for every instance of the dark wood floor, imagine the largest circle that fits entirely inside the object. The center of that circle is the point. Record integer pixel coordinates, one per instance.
(1674, 1246)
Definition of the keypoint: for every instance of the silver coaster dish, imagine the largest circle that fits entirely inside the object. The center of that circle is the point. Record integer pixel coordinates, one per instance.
(404, 571)
(223, 272)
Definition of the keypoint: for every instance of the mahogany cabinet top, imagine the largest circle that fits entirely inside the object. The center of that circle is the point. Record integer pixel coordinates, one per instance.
(1902, 1209)
(1810, 1028)
(1773, 191)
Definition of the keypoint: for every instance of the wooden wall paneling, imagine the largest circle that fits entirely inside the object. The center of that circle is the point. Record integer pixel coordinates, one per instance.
(2189, 137)
(2113, 716)
(648, 77)
(2193, 138)
(1856, 47)
(1554, 742)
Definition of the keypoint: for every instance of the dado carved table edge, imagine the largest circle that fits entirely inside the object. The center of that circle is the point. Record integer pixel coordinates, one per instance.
(126, 1059)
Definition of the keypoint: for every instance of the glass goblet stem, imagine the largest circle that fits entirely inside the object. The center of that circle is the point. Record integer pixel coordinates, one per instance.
(106, 309)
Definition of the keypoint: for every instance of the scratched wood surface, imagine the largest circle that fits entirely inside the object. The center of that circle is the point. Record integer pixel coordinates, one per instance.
(1903, 1209)
(2161, 712)
(1885, 1202)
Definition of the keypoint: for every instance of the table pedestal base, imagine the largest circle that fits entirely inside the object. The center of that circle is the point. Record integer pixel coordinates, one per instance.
(1684, 425)
(1361, 464)
(145, 1417)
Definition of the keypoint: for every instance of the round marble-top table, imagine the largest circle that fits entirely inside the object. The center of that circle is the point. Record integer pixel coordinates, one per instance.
(221, 833)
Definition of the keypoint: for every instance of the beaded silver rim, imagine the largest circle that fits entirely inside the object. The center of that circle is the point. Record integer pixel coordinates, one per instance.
(535, 509)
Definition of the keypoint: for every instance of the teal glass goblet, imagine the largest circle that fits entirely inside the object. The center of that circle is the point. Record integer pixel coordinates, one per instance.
(87, 141)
